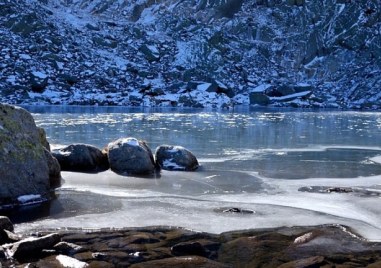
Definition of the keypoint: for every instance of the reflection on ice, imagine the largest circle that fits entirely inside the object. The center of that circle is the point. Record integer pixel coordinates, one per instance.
(253, 160)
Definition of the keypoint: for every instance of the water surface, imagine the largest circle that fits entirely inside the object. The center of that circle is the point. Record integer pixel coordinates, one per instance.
(251, 159)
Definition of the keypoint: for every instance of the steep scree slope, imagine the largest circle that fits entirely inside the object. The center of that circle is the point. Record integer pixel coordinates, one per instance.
(200, 53)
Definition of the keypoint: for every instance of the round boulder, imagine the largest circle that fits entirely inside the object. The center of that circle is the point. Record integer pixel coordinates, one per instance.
(178, 158)
(82, 158)
(130, 156)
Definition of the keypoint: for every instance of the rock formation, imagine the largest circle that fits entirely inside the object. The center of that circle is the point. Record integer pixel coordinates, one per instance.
(24, 168)
(130, 156)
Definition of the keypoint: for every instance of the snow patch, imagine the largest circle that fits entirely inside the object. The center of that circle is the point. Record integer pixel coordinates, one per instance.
(376, 159)
(170, 164)
(69, 262)
(131, 141)
(261, 88)
(175, 149)
(203, 87)
(29, 198)
(40, 75)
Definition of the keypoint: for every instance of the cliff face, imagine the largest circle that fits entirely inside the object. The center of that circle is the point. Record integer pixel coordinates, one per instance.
(200, 53)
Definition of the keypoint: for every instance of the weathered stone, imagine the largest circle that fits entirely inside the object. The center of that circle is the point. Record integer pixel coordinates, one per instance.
(130, 156)
(181, 262)
(43, 139)
(284, 90)
(317, 261)
(54, 169)
(190, 248)
(81, 157)
(70, 79)
(23, 166)
(259, 98)
(251, 251)
(30, 247)
(26, 24)
(6, 224)
(101, 41)
(171, 157)
(38, 81)
(303, 87)
(68, 248)
(11, 237)
(150, 52)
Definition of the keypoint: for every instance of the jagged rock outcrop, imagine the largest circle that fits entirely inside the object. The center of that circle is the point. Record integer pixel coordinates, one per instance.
(97, 52)
(24, 168)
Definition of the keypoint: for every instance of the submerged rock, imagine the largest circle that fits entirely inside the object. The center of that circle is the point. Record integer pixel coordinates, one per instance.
(171, 157)
(81, 157)
(130, 156)
(24, 168)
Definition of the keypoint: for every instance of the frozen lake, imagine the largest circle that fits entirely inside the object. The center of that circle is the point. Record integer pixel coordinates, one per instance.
(253, 159)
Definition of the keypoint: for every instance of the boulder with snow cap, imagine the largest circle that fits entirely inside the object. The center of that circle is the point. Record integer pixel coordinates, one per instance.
(130, 156)
(171, 157)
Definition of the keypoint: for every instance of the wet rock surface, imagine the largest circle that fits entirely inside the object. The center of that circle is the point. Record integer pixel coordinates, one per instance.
(319, 246)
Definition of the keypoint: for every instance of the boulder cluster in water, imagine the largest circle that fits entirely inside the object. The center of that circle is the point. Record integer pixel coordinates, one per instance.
(29, 171)
(126, 156)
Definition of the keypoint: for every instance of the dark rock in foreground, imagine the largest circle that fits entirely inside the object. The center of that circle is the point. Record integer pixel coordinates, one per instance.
(130, 156)
(320, 246)
(24, 168)
(29, 248)
(171, 157)
(81, 157)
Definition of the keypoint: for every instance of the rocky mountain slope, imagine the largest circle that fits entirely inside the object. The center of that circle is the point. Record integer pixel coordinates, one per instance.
(199, 53)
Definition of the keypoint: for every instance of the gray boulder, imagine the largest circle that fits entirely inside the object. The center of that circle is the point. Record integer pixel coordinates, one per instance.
(81, 157)
(23, 164)
(171, 157)
(30, 247)
(130, 156)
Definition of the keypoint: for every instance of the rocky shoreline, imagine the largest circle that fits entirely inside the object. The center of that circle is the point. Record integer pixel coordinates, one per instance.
(159, 246)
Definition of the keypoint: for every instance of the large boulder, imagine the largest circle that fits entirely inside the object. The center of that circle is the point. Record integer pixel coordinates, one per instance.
(31, 247)
(81, 157)
(24, 167)
(130, 156)
(171, 157)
